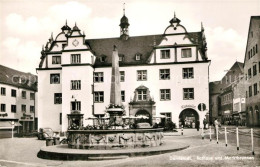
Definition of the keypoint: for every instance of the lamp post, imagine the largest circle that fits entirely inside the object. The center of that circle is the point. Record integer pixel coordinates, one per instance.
(12, 123)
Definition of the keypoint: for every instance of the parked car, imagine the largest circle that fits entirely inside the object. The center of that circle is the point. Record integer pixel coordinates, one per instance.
(45, 133)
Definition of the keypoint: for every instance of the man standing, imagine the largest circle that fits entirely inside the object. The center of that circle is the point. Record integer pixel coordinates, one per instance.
(216, 124)
(204, 123)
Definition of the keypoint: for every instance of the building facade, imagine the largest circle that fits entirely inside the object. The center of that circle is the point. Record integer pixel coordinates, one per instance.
(227, 97)
(160, 74)
(18, 101)
(252, 72)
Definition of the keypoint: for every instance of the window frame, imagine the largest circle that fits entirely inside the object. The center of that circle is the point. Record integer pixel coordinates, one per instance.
(75, 58)
(165, 54)
(142, 74)
(164, 93)
(75, 85)
(254, 70)
(53, 77)
(77, 106)
(32, 109)
(3, 91)
(100, 78)
(142, 93)
(13, 93)
(137, 57)
(24, 94)
(100, 96)
(249, 73)
(250, 93)
(13, 108)
(3, 107)
(183, 50)
(162, 72)
(56, 59)
(255, 89)
(23, 108)
(190, 74)
(122, 76)
(189, 93)
(122, 95)
(32, 96)
(57, 98)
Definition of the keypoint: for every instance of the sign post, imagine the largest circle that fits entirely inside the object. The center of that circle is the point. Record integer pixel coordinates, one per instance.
(12, 123)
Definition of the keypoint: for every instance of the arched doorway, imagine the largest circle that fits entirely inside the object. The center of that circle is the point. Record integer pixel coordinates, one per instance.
(189, 117)
(144, 116)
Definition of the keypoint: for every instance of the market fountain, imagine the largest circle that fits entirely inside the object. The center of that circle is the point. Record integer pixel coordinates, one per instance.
(115, 135)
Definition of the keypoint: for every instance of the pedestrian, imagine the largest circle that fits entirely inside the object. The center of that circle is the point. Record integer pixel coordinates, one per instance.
(204, 123)
(216, 124)
(198, 125)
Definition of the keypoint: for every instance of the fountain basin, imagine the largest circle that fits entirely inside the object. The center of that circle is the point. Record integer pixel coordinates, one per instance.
(114, 139)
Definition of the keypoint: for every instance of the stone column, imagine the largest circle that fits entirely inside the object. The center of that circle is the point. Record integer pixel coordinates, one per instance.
(115, 92)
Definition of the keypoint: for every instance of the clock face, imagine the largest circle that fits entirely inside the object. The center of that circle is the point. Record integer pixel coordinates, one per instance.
(75, 42)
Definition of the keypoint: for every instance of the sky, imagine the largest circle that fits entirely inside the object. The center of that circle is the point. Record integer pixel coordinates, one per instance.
(26, 25)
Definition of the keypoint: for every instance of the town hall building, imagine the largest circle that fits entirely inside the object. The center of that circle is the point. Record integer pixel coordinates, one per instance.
(164, 74)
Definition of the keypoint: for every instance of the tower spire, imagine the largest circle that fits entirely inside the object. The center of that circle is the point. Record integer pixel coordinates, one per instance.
(174, 15)
(202, 28)
(124, 8)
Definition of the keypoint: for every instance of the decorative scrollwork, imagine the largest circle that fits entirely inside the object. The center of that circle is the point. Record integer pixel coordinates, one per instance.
(111, 138)
(150, 137)
(139, 138)
(97, 139)
(83, 139)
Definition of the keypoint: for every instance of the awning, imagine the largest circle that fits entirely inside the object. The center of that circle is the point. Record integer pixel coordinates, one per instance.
(8, 124)
(5, 125)
(17, 124)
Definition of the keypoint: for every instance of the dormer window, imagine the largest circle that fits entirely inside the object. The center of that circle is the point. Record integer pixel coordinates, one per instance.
(121, 58)
(186, 53)
(102, 59)
(138, 57)
(165, 54)
(56, 59)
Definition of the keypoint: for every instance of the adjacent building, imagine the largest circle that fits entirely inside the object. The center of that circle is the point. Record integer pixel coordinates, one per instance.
(227, 96)
(18, 101)
(252, 72)
(163, 74)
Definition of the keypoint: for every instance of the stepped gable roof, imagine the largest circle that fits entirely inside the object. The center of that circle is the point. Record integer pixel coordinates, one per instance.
(140, 44)
(134, 45)
(11, 77)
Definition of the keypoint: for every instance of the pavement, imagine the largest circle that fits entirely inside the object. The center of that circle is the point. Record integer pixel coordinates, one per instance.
(23, 152)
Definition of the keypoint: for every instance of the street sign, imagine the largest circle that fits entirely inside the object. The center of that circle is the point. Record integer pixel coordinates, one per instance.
(202, 107)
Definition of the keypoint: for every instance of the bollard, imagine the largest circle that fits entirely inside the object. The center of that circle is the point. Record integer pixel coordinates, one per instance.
(209, 133)
(182, 130)
(217, 133)
(237, 139)
(226, 136)
(202, 133)
(252, 139)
